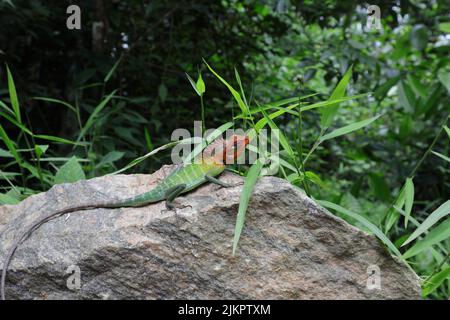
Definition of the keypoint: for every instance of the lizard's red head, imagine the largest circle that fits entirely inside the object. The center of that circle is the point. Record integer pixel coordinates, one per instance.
(234, 146)
(226, 151)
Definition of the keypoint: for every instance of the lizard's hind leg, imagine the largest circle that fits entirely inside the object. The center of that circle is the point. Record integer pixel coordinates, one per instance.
(172, 193)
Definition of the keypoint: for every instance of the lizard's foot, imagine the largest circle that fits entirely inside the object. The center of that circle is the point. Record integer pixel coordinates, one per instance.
(172, 207)
(237, 184)
(227, 185)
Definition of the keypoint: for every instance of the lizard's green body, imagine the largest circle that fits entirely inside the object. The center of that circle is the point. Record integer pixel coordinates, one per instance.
(181, 180)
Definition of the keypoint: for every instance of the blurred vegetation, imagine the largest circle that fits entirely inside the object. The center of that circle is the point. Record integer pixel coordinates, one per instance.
(78, 104)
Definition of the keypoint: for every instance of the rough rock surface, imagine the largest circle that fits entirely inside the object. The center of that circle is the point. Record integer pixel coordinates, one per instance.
(290, 247)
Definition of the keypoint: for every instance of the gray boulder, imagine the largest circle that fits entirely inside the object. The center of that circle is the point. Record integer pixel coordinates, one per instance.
(290, 247)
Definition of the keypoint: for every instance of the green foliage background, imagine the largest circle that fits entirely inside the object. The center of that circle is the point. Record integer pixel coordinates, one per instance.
(89, 103)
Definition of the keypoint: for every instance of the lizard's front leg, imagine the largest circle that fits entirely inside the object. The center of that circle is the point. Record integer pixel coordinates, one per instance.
(172, 193)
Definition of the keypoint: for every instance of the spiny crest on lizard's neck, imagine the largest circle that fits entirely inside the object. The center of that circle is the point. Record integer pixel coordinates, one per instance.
(223, 152)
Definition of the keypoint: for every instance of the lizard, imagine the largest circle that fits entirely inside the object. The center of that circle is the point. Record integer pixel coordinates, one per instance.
(212, 163)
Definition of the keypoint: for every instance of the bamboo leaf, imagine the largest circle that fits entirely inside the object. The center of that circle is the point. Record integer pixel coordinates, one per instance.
(7, 199)
(154, 151)
(447, 130)
(392, 215)
(376, 231)
(13, 95)
(10, 145)
(249, 184)
(193, 84)
(112, 70)
(434, 217)
(94, 115)
(235, 94)
(435, 281)
(16, 123)
(68, 105)
(58, 139)
(440, 155)
(329, 113)
(409, 199)
(200, 85)
(6, 108)
(71, 171)
(262, 122)
(110, 157)
(238, 79)
(438, 234)
(349, 128)
(283, 140)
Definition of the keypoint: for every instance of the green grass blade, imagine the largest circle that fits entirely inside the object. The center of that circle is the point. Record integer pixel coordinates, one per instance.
(200, 85)
(94, 115)
(329, 113)
(262, 123)
(193, 84)
(66, 104)
(58, 139)
(435, 281)
(438, 234)
(391, 217)
(447, 130)
(59, 159)
(13, 95)
(6, 108)
(238, 79)
(151, 153)
(16, 123)
(409, 199)
(376, 231)
(330, 103)
(112, 70)
(5, 154)
(10, 145)
(148, 140)
(349, 128)
(235, 94)
(249, 184)
(440, 155)
(110, 158)
(276, 104)
(69, 172)
(434, 217)
(283, 140)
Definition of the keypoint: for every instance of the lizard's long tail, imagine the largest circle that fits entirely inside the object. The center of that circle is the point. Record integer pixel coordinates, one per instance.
(143, 199)
(132, 202)
(29, 231)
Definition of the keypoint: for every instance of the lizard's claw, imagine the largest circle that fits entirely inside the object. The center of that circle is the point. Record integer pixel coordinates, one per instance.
(228, 185)
(172, 207)
(237, 184)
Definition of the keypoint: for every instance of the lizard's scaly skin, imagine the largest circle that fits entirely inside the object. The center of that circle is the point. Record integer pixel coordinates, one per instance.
(192, 175)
